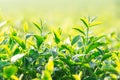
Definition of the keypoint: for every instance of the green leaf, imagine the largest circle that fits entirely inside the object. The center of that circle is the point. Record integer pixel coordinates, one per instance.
(13, 32)
(94, 55)
(98, 38)
(57, 37)
(84, 22)
(39, 40)
(75, 39)
(60, 30)
(67, 47)
(3, 63)
(37, 26)
(93, 46)
(100, 51)
(9, 71)
(19, 41)
(86, 65)
(80, 44)
(4, 56)
(69, 62)
(77, 29)
(83, 39)
(109, 68)
(106, 56)
(33, 54)
(15, 49)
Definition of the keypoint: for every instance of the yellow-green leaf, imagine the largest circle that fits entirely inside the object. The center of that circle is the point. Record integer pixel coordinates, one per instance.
(50, 65)
(46, 75)
(78, 76)
(19, 41)
(25, 27)
(9, 71)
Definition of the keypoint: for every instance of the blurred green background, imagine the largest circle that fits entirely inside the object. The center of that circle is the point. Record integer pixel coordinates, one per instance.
(62, 13)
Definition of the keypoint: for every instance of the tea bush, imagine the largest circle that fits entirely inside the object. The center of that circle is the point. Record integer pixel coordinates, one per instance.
(46, 56)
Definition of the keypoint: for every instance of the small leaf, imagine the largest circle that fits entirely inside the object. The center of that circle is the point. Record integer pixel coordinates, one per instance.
(84, 22)
(95, 24)
(78, 77)
(15, 49)
(3, 63)
(3, 56)
(98, 38)
(60, 31)
(109, 68)
(83, 39)
(6, 47)
(14, 77)
(9, 71)
(19, 41)
(94, 55)
(39, 40)
(75, 39)
(38, 27)
(93, 46)
(67, 47)
(1, 39)
(13, 32)
(25, 27)
(100, 51)
(105, 56)
(33, 54)
(57, 37)
(86, 65)
(67, 61)
(80, 44)
(77, 29)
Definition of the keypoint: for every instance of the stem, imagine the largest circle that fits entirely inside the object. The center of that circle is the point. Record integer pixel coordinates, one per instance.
(87, 31)
(87, 34)
(87, 37)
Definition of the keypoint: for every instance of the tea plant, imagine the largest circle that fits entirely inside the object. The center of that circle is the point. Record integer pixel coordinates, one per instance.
(83, 57)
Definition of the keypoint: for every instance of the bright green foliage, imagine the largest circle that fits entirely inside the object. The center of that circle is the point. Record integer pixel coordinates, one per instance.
(57, 37)
(48, 56)
(77, 29)
(49, 67)
(19, 41)
(78, 77)
(25, 27)
(75, 39)
(8, 71)
(39, 40)
(46, 75)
